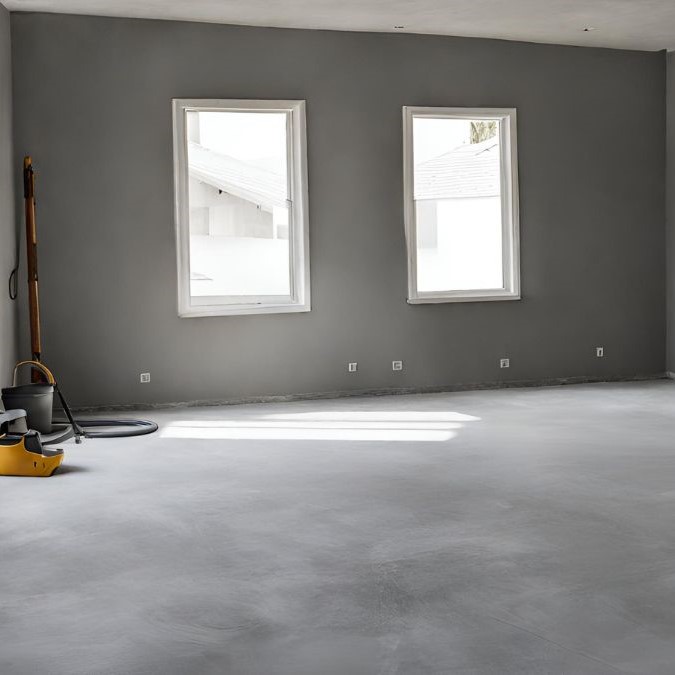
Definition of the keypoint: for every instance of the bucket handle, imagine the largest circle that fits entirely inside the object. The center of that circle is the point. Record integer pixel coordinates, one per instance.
(37, 366)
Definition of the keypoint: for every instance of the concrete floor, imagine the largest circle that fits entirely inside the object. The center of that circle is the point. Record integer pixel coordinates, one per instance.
(496, 532)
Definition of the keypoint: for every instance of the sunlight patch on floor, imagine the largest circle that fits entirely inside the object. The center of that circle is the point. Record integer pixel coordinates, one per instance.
(327, 426)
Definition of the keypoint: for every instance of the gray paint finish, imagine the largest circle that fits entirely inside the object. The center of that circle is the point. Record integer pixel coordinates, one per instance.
(538, 540)
(670, 212)
(8, 309)
(92, 103)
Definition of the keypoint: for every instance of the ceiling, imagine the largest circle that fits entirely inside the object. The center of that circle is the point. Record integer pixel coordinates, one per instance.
(625, 24)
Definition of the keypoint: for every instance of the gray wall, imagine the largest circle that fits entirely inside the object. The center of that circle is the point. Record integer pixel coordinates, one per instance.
(8, 313)
(670, 212)
(92, 104)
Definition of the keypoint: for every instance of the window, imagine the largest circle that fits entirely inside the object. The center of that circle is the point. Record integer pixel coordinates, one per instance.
(241, 207)
(461, 204)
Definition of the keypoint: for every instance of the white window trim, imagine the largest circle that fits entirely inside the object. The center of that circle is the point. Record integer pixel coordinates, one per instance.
(510, 204)
(299, 300)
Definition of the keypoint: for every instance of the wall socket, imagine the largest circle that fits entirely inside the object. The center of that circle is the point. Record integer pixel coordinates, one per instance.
(145, 378)
(504, 363)
(397, 365)
(599, 352)
(352, 367)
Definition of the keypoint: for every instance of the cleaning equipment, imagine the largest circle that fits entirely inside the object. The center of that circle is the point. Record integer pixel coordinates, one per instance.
(21, 453)
(37, 398)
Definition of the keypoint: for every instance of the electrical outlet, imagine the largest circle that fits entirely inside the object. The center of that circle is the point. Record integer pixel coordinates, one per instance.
(397, 365)
(352, 367)
(599, 352)
(504, 363)
(145, 378)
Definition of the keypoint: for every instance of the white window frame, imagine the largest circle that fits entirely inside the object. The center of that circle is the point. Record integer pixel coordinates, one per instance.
(299, 298)
(506, 117)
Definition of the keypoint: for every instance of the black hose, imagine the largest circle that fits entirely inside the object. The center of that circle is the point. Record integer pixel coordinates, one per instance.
(126, 428)
(64, 430)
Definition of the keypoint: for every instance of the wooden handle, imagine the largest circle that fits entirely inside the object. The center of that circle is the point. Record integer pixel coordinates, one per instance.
(31, 255)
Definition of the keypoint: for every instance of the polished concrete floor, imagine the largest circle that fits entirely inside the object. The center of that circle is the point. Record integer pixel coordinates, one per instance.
(498, 532)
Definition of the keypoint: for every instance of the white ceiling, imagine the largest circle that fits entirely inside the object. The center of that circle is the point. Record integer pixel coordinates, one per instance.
(626, 24)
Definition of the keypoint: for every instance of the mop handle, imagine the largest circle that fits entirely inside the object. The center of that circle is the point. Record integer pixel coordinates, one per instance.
(31, 257)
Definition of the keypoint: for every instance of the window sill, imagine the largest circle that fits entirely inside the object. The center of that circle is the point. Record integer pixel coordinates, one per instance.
(479, 296)
(240, 310)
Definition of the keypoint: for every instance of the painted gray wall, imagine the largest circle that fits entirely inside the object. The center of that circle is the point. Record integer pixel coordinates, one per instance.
(92, 104)
(670, 212)
(8, 309)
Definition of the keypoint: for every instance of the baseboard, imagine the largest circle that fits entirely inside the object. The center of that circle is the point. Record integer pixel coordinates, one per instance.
(385, 391)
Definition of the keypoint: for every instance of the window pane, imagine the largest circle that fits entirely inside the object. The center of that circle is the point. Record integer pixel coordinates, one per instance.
(239, 203)
(458, 208)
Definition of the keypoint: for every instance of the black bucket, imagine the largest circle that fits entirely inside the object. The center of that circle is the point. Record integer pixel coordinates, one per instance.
(36, 399)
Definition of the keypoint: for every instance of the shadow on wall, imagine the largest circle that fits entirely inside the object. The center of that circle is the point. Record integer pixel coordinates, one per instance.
(327, 426)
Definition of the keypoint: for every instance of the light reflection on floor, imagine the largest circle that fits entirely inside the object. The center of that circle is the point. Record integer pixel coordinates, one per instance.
(403, 426)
